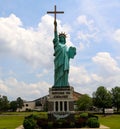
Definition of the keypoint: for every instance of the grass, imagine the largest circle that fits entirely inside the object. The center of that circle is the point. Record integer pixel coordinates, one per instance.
(12, 120)
(112, 121)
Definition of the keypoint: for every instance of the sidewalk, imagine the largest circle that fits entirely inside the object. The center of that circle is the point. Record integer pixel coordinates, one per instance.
(20, 127)
(101, 127)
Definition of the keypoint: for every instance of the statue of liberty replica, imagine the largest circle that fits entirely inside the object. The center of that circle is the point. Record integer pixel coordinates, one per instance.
(61, 94)
(62, 56)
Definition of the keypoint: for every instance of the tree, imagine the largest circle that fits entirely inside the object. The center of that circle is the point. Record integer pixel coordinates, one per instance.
(4, 103)
(13, 105)
(19, 102)
(102, 98)
(84, 102)
(116, 97)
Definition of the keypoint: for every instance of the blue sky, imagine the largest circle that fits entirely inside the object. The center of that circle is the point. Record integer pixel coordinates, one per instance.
(26, 49)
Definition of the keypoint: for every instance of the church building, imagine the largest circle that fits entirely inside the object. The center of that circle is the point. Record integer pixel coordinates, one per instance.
(40, 104)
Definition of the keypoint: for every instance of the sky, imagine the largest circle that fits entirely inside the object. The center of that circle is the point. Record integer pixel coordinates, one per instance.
(26, 47)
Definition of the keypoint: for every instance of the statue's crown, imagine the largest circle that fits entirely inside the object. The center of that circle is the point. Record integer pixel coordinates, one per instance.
(62, 34)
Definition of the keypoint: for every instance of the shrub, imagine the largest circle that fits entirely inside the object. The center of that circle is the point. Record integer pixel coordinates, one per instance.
(93, 122)
(50, 125)
(81, 120)
(29, 123)
(66, 124)
(72, 124)
(63, 123)
(84, 115)
(43, 123)
(57, 124)
(92, 115)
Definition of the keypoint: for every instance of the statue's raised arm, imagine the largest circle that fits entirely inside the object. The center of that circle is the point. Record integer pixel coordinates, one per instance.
(55, 40)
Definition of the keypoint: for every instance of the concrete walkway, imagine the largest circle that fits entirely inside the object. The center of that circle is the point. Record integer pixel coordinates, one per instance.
(20, 127)
(101, 127)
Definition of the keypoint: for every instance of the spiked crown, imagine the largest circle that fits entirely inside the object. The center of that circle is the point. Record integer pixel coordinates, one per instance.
(62, 34)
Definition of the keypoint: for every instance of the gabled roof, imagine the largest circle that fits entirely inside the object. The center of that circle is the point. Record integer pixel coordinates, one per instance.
(76, 95)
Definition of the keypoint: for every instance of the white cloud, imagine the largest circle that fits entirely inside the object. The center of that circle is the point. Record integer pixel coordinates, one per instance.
(81, 46)
(116, 35)
(28, 91)
(87, 30)
(34, 45)
(96, 77)
(106, 72)
(44, 73)
(31, 45)
(79, 75)
(106, 62)
(82, 20)
(3, 87)
(107, 69)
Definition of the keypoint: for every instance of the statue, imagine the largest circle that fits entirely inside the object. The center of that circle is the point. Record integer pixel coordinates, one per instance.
(62, 57)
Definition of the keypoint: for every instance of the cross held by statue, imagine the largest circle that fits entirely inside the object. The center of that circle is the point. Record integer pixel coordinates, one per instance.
(55, 12)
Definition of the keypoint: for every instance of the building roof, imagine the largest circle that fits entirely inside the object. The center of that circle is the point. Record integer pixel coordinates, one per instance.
(76, 95)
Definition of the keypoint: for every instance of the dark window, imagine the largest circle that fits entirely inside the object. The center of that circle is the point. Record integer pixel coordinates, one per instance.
(65, 106)
(56, 106)
(26, 105)
(61, 108)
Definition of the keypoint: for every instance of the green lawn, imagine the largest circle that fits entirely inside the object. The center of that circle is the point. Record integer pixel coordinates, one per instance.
(112, 121)
(14, 119)
(10, 122)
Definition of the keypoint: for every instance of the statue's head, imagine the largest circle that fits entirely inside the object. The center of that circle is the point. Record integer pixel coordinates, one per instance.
(62, 38)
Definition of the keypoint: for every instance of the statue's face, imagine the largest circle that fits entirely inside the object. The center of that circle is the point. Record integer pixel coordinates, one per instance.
(62, 39)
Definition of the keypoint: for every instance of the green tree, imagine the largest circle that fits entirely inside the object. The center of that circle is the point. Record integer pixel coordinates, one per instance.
(116, 97)
(19, 102)
(13, 105)
(1, 103)
(4, 103)
(84, 102)
(102, 98)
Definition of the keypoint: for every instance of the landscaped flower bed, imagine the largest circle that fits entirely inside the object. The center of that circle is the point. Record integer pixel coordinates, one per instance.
(80, 121)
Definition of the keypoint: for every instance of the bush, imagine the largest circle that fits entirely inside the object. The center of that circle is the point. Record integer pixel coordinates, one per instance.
(67, 124)
(80, 122)
(29, 123)
(72, 124)
(84, 119)
(50, 125)
(92, 115)
(63, 123)
(57, 124)
(84, 115)
(43, 123)
(93, 122)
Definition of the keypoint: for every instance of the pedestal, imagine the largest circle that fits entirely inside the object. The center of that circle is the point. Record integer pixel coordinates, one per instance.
(60, 102)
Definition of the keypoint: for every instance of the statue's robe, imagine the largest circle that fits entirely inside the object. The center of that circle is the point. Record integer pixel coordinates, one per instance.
(61, 63)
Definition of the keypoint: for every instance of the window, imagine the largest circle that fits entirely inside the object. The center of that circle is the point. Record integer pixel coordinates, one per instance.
(56, 106)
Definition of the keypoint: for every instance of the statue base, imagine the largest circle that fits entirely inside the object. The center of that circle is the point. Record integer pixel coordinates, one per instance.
(60, 102)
